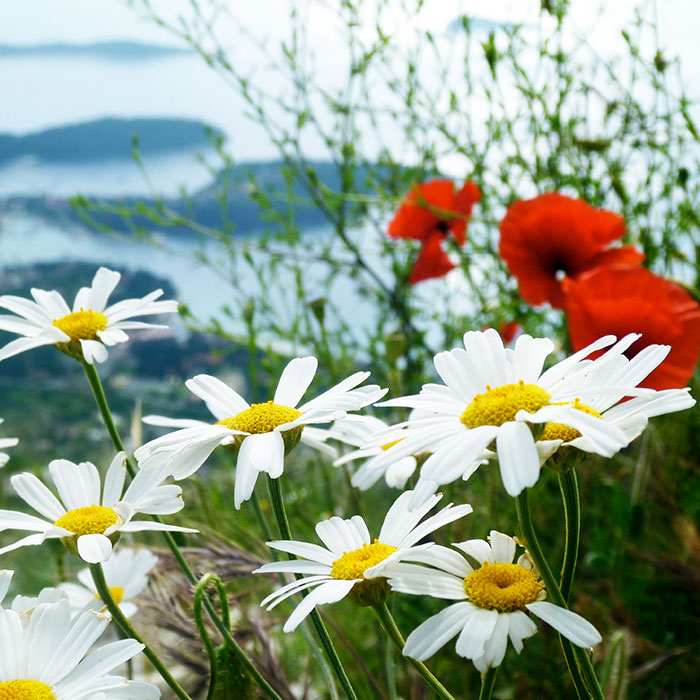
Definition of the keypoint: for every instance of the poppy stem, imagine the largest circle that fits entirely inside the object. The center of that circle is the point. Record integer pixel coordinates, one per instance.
(277, 501)
(388, 623)
(125, 626)
(583, 664)
(96, 386)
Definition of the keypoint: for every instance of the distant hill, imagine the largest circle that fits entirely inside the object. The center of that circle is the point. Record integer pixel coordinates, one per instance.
(107, 50)
(205, 206)
(107, 138)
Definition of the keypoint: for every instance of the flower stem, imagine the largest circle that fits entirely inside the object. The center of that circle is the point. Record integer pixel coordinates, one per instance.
(125, 626)
(568, 484)
(96, 386)
(488, 680)
(328, 648)
(533, 547)
(387, 621)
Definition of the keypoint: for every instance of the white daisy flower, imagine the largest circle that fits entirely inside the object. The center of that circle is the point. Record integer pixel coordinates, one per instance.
(359, 431)
(495, 599)
(87, 523)
(85, 331)
(126, 573)
(43, 658)
(352, 563)
(25, 605)
(261, 434)
(493, 395)
(6, 442)
(615, 370)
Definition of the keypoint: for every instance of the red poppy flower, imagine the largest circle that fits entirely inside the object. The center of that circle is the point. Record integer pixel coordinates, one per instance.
(621, 300)
(551, 236)
(432, 211)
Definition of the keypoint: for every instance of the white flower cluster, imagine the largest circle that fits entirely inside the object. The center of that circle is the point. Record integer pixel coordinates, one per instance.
(495, 404)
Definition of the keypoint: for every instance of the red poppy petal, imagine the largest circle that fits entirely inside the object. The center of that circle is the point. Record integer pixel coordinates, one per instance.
(416, 218)
(607, 226)
(621, 300)
(624, 255)
(551, 235)
(432, 261)
(463, 203)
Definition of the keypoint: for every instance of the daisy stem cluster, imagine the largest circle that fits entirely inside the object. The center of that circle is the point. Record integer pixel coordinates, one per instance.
(582, 662)
(125, 626)
(278, 508)
(388, 624)
(224, 629)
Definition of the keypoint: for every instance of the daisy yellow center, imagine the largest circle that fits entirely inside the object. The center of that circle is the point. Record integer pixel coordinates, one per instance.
(25, 690)
(561, 431)
(88, 520)
(261, 418)
(82, 325)
(353, 564)
(500, 405)
(502, 587)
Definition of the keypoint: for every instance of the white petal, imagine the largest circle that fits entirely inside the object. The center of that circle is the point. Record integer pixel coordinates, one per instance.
(330, 592)
(418, 580)
(295, 380)
(520, 627)
(304, 549)
(103, 284)
(5, 580)
(27, 309)
(495, 647)
(78, 484)
(569, 624)
(93, 351)
(94, 548)
(478, 629)
(529, 355)
(220, 398)
(517, 457)
(480, 550)
(22, 344)
(502, 547)
(37, 495)
(114, 480)
(436, 631)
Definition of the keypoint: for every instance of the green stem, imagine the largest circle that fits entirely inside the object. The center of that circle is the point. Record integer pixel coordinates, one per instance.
(328, 648)
(389, 625)
(100, 398)
(204, 633)
(533, 547)
(568, 485)
(125, 626)
(96, 386)
(488, 680)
